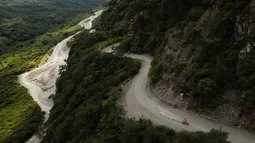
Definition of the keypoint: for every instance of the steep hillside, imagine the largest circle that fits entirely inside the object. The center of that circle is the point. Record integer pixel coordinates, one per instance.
(203, 61)
(211, 63)
(204, 58)
(85, 108)
(23, 20)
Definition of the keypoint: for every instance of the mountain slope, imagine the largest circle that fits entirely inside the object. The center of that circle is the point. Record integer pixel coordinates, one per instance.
(21, 21)
(203, 50)
(24, 44)
(85, 107)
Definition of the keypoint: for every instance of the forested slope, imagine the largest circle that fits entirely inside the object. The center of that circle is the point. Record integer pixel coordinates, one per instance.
(85, 108)
(203, 49)
(28, 30)
(23, 20)
(195, 54)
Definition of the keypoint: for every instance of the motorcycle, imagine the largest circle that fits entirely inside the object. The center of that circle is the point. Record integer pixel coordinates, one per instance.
(185, 122)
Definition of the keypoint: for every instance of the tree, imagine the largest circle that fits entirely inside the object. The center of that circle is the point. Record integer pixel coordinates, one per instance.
(207, 88)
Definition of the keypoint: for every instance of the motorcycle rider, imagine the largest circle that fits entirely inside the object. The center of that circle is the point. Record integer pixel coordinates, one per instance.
(185, 121)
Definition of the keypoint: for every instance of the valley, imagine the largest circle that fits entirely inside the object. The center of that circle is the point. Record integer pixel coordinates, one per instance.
(24, 46)
(129, 73)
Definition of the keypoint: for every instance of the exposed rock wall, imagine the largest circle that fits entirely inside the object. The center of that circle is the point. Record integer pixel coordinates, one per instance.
(229, 112)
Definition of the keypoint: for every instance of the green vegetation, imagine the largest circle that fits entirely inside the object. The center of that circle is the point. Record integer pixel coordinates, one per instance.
(148, 29)
(216, 58)
(145, 21)
(213, 64)
(20, 117)
(85, 107)
(23, 20)
(211, 56)
(23, 59)
(246, 81)
(190, 48)
(207, 89)
(28, 31)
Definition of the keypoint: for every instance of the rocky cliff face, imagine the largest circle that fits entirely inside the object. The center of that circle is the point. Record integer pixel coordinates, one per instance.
(181, 63)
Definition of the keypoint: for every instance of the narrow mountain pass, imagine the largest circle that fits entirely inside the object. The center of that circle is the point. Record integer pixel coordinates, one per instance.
(41, 81)
(139, 102)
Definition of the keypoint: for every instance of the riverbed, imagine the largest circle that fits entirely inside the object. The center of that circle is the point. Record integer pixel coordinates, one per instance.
(41, 81)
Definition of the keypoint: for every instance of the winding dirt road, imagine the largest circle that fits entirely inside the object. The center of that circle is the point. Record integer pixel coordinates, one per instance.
(139, 102)
(41, 81)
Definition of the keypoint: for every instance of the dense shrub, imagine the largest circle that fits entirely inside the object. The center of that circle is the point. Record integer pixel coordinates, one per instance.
(207, 89)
